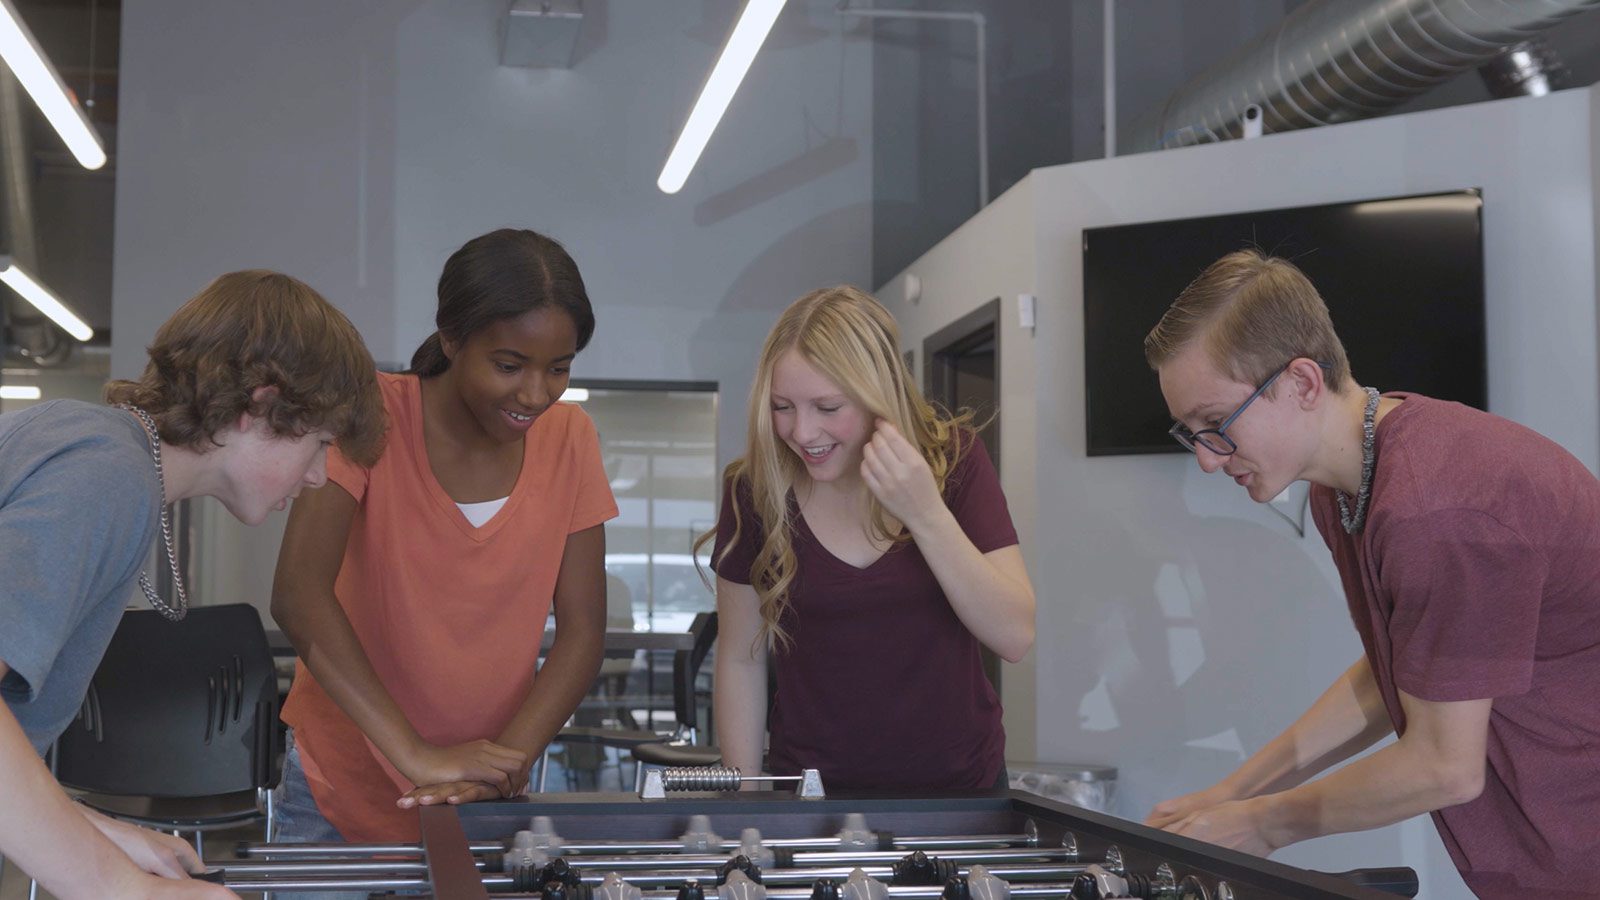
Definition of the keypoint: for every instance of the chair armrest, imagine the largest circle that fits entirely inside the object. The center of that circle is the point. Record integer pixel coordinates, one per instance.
(665, 754)
(606, 737)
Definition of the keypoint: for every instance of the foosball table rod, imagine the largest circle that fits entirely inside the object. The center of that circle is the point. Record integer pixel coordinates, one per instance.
(500, 886)
(895, 892)
(390, 875)
(883, 841)
(658, 867)
(660, 782)
(590, 848)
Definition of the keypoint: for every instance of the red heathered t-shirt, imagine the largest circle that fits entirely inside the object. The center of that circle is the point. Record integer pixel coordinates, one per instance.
(1477, 576)
(883, 687)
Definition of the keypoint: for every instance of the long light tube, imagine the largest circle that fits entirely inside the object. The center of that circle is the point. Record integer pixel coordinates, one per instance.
(21, 52)
(575, 395)
(37, 294)
(19, 392)
(749, 33)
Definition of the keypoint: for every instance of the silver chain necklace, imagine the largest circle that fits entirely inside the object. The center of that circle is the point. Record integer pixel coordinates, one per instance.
(173, 613)
(1369, 433)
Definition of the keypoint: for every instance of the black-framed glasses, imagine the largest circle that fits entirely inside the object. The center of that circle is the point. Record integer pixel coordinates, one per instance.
(1216, 439)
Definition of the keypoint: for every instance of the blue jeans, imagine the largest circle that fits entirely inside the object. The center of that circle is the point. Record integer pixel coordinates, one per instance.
(300, 822)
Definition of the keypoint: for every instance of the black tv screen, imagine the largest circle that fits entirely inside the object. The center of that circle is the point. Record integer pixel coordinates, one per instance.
(1402, 277)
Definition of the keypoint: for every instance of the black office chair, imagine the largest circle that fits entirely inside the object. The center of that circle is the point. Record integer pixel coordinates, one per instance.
(681, 749)
(179, 728)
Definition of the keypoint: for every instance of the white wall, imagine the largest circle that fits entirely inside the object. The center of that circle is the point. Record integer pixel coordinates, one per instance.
(357, 144)
(1182, 626)
(993, 256)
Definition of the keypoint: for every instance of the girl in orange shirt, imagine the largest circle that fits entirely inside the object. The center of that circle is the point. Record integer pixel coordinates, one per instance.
(416, 591)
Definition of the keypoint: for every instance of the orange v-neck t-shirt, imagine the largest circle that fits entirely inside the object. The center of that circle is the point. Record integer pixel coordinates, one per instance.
(451, 616)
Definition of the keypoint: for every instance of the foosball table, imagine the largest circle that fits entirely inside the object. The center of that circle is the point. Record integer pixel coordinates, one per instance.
(768, 845)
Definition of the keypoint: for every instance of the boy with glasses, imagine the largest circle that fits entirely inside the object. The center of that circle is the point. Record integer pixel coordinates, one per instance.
(1469, 551)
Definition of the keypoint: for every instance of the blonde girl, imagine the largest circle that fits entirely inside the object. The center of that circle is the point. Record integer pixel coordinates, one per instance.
(865, 552)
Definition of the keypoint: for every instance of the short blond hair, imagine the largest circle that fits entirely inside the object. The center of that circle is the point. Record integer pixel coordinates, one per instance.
(1255, 314)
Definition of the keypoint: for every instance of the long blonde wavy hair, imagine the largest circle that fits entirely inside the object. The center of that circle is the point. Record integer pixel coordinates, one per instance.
(852, 340)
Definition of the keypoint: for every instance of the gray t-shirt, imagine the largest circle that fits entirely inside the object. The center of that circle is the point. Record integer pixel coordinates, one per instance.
(80, 505)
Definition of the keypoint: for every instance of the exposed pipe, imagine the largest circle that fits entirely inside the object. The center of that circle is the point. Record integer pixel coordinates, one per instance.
(1340, 60)
(1529, 69)
(979, 23)
(1109, 76)
(15, 178)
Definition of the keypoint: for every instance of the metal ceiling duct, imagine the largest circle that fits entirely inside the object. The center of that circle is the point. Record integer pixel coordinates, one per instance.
(1334, 61)
(1529, 69)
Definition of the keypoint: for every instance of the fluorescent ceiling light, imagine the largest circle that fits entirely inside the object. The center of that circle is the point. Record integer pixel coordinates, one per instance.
(18, 392)
(748, 35)
(39, 79)
(575, 395)
(35, 293)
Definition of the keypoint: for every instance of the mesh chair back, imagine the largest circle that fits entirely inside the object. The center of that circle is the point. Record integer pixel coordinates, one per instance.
(178, 709)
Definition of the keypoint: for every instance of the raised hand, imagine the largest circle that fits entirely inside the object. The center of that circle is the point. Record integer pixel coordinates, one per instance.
(896, 474)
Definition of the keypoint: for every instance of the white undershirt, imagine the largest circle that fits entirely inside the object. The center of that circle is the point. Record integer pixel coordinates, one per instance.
(479, 513)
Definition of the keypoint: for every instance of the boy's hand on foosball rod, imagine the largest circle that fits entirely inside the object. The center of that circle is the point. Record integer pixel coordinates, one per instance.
(154, 887)
(153, 852)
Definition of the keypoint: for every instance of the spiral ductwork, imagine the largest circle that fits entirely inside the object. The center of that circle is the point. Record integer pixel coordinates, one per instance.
(1334, 61)
(1529, 69)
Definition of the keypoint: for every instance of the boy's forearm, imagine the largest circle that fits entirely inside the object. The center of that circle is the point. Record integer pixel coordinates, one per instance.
(1389, 786)
(45, 833)
(1346, 719)
(1438, 762)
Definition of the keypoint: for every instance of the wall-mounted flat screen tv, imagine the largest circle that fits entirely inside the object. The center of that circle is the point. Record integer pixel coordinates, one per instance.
(1402, 277)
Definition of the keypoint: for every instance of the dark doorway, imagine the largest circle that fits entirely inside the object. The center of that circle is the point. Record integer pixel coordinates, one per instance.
(961, 371)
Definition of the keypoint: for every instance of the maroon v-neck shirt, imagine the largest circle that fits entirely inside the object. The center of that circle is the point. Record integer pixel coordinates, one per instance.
(883, 687)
